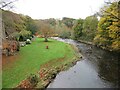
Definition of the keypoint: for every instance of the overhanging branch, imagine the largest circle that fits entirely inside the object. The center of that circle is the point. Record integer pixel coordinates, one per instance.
(117, 17)
(5, 4)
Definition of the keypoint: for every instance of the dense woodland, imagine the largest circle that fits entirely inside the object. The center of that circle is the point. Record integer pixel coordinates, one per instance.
(104, 32)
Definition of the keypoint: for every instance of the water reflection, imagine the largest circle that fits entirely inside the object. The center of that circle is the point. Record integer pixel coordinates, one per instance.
(105, 62)
(98, 69)
(108, 68)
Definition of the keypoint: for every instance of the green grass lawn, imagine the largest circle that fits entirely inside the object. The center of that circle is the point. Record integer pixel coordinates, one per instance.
(30, 59)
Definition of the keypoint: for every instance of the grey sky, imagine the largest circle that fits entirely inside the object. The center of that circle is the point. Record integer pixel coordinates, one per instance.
(42, 9)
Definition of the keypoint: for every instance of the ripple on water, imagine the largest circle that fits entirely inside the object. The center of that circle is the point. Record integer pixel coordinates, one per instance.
(97, 69)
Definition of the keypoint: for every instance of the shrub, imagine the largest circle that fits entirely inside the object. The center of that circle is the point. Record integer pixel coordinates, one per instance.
(65, 35)
(33, 79)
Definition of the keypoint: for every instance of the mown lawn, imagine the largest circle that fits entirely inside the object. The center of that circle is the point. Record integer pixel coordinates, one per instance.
(30, 59)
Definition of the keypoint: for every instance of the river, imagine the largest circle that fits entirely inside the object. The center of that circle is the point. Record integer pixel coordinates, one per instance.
(97, 69)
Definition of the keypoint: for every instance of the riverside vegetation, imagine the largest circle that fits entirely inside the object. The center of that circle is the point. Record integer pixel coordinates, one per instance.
(103, 33)
(34, 61)
(37, 61)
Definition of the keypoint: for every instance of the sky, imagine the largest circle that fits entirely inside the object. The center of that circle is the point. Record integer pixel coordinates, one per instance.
(43, 9)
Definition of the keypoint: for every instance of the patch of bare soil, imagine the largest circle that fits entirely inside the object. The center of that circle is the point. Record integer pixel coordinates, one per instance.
(8, 61)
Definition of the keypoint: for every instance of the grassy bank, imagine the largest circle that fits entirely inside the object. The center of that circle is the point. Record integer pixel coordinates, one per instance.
(34, 57)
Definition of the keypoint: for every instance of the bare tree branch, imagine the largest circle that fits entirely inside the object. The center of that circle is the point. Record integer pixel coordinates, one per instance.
(5, 4)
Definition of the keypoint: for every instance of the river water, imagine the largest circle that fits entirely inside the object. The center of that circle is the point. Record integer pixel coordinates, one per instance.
(97, 69)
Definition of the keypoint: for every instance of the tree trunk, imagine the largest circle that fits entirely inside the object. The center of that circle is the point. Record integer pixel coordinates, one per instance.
(46, 40)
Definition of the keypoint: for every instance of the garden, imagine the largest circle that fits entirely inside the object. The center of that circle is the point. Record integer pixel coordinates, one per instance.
(35, 57)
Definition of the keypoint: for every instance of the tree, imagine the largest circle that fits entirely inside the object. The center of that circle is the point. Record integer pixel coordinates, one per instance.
(16, 25)
(69, 22)
(46, 30)
(90, 27)
(51, 21)
(78, 27)
(62, 30)
(30, 24)
(108, 34)
(25, 34)
(12, 23)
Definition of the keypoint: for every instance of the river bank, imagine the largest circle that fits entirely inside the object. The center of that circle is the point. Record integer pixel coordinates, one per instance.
(97, 69)
(49, 70)
(47, 75)
(99, 46)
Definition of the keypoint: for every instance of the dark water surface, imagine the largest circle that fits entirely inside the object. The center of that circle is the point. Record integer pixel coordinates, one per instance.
(97, 69)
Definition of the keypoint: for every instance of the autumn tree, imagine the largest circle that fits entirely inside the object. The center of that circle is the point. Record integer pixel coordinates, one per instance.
(18, 25)
(62, 30)
(108, 34)
(46, 30)
(13, 23)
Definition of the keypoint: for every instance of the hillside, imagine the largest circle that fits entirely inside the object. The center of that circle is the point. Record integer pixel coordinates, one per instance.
(15, 25)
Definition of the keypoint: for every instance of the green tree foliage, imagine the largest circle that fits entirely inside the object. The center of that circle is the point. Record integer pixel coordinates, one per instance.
(85, 29)
(69, 22)
(78, 27)
(30, 25)
(51, 21)
(17, 25)
(90, 27)
(108, 35)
